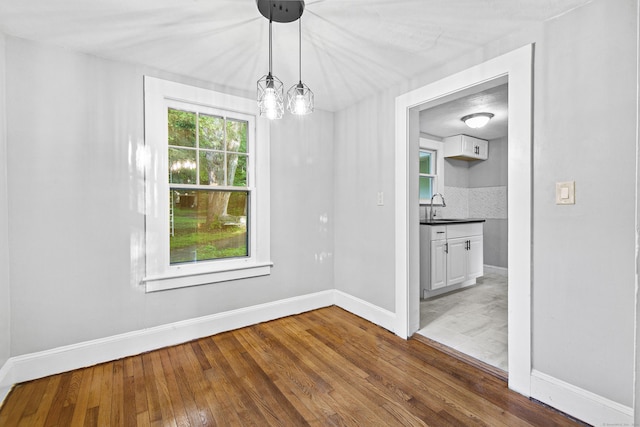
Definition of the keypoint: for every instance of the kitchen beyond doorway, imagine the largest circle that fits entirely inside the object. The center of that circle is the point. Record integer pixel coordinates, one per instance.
(471, 320)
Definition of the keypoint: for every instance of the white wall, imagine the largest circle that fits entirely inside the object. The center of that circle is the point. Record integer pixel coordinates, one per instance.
(584, 115)
(75, 133)
(584, 267)
(5, 311)
(636, 405)
(364, 231)
(488, 199)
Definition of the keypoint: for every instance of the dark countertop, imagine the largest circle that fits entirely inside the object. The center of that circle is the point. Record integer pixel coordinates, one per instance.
(445, 221)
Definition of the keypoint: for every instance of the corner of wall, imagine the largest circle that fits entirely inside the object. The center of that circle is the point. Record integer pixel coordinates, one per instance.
(5, 308)
(636, 373)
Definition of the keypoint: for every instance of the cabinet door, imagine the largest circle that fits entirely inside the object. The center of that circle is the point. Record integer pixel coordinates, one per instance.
(457, 260)
(468, 146)
(475, 265)
(474, 148)
(438, 264)
(482, 150)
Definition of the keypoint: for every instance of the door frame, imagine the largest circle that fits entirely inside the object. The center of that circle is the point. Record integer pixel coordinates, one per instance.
(517, 67)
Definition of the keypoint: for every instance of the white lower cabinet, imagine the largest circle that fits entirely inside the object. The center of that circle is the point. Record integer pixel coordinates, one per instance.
(457, 260)
(438, 262)
(475, 260)
(451, 257)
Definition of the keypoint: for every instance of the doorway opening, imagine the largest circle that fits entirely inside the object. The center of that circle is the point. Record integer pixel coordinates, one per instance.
(463, 287)
(516, 68)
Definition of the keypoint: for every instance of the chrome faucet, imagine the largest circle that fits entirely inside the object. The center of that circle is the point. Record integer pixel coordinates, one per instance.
(444, 205)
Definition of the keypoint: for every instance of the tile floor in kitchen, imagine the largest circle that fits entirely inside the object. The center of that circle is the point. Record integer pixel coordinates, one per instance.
(472, 320)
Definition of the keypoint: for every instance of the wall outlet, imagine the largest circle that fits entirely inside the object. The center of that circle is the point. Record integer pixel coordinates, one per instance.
(566, 193)
(380, 198)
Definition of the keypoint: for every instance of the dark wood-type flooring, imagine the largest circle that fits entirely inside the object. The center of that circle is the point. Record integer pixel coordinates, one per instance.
(325, 367)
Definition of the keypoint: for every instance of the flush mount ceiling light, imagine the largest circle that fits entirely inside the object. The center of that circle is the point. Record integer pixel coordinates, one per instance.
(270, 93)
(477, 120)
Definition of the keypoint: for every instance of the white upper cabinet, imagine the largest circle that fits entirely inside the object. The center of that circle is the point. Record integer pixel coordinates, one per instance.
(466, 147)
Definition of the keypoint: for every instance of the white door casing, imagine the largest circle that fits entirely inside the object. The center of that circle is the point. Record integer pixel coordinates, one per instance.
(516, 66)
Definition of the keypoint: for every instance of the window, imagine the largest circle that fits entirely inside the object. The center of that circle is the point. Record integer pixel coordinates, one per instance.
(208, 161)
(427, 173)
(205, 151)
(431, 169)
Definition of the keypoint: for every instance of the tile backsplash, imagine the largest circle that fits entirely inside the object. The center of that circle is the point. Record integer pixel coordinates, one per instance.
(481, 202)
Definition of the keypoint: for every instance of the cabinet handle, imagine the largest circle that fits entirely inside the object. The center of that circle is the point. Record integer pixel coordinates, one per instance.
(446, 248)
(439, 232)
(477, 149)
(468, 242)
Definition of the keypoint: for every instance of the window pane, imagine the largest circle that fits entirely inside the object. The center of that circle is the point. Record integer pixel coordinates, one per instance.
(182, 166)
(211, 132)
(207, 225)
(236, 136)
(426, 187)
(182, 128)
(211, 168)
(237, 170)
(426, 162)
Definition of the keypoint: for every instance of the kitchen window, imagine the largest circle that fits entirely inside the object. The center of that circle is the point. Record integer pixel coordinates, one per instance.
(207, 187)
(431, 169)
(427, 173)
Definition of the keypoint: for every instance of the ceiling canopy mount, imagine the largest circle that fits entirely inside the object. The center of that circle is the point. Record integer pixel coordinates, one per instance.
(281, 10)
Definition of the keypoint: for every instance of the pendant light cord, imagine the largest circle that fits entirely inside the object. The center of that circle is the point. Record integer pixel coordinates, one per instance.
(300, 48)
(269, 46)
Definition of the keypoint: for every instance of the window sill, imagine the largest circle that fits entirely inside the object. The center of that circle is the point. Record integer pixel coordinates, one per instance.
(186, 279)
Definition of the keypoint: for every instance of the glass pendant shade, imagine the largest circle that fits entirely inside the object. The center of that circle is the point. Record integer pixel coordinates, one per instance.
(270, 92)
(270, 97)
(300, 99)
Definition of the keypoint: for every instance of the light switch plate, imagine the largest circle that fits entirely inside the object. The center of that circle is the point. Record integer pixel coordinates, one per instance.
(566, 193)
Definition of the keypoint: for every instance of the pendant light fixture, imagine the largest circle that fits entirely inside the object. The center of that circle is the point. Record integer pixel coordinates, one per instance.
(270, 95)
(299, 96)
(270, 89)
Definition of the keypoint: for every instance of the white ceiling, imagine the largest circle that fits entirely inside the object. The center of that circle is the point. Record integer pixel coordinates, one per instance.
(444, 120)
(351, 48)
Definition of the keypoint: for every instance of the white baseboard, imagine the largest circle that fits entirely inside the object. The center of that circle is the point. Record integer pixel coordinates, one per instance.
(496, 270)
(577, 402)
(446, 289)
(62, 359)
(6, 380)
(366, 310)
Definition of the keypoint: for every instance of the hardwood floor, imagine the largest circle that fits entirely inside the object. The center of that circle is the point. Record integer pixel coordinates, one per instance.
(325, 367)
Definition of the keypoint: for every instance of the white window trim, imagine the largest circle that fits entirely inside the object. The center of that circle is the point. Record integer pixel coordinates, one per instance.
(438, 181)
(160, 275)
